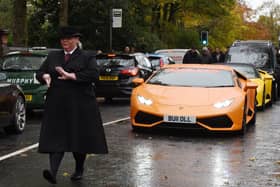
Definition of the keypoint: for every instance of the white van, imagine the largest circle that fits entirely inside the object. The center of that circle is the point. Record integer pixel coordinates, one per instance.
(176, 54)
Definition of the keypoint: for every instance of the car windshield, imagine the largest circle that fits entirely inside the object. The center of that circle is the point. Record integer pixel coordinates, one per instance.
(155, 61)
(249, 71)
(256, 55)
(193, 77)
(115, 62)
(22, 62)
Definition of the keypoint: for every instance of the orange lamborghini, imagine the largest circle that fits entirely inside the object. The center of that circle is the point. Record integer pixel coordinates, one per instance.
(194, 96)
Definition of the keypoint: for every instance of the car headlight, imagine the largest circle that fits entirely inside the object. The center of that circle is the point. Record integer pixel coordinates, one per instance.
(144, 100)
(223, 104)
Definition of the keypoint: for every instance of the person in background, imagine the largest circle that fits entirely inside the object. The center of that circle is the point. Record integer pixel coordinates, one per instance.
(218, 56)
(192, 57)
(132, 49)
(126, 49)
(71, 121)
(206, 57)
(99, 52)
(4, 33)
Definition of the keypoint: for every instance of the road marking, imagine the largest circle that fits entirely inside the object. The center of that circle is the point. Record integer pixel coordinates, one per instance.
(19, 152)
(116, 121)
(25, 149)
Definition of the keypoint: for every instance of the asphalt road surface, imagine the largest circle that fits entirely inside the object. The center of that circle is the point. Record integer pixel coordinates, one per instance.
(155, 159)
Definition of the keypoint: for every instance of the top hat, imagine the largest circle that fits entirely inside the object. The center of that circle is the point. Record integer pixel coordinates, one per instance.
(69, 32)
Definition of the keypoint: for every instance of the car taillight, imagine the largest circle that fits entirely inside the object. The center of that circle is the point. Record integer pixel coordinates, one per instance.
(130, 71)
(161, 63)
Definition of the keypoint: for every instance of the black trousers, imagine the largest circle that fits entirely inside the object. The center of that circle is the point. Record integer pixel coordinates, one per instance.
(56, 158)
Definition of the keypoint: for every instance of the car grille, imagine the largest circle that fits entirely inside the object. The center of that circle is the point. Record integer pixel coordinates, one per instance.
(217, 122)
(214, 122)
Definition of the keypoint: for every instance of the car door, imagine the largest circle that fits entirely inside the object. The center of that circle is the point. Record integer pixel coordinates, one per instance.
(144, 65)
(6, 103)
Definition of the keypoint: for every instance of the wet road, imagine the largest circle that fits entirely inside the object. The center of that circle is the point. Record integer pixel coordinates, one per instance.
(157, 159)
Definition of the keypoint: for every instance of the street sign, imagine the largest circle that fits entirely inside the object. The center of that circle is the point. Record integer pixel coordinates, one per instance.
(117, 18)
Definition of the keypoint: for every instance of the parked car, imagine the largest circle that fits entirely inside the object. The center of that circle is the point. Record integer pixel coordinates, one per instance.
(20, 68)
(260, 53)
(261, 78)
(159, 60)
(12, 107)
(117, 72)
(194, 96)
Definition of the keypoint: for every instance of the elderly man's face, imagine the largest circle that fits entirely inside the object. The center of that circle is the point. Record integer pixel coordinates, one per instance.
(68, 44)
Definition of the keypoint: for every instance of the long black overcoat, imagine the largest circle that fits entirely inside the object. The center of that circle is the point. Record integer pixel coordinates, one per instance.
(71, 121)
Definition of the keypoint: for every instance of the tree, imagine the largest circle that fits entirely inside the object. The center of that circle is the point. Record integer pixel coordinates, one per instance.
(63, 12)
(20, 24)
(6, 14)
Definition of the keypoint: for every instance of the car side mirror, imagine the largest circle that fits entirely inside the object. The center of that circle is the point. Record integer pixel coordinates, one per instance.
(250, 85)
(137, 81)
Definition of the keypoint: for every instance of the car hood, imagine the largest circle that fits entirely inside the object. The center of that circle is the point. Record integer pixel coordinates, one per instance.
(190, 96)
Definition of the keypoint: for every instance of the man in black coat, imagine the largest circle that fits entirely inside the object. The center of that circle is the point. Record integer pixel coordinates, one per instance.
(192, 57)
(72, 121)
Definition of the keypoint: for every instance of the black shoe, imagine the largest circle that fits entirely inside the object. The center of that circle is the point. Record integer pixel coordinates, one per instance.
(49, 177)
(77, 176)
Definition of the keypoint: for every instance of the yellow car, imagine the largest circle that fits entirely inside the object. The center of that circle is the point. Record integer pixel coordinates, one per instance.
(194, 96)
(262, 78)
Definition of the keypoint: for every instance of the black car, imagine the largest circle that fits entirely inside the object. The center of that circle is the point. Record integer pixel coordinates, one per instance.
(261, 54)
(117, 72)
(12, 107)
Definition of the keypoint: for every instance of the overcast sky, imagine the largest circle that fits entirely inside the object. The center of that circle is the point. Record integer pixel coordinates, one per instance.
(256, 3)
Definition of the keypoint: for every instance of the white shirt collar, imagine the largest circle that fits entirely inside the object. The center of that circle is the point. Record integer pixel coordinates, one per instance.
(70, 52)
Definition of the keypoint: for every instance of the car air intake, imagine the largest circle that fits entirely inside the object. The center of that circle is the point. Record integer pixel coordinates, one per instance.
(145, 118)
(217, 122)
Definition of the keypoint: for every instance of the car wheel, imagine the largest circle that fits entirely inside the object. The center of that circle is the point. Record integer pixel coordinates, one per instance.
(253, 120)
(275, 92)
(244, 125)
(263, 100)
(18, 119)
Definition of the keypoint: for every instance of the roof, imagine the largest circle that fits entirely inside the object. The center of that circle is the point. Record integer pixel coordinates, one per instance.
(201, 66)
(124, 55)
(171, 50)
(252, 42)
(155, 55)
(40, 53)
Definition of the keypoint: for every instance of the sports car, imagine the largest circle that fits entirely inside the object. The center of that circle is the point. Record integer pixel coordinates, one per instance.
(194, 96)
(262, 78)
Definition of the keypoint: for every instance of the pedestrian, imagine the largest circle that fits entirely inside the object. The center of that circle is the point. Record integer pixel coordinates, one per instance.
(71, 121)
(126, 49)
(192, 57)
(206, 57)
(218, 56)
(4, 33)
(99, 51)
